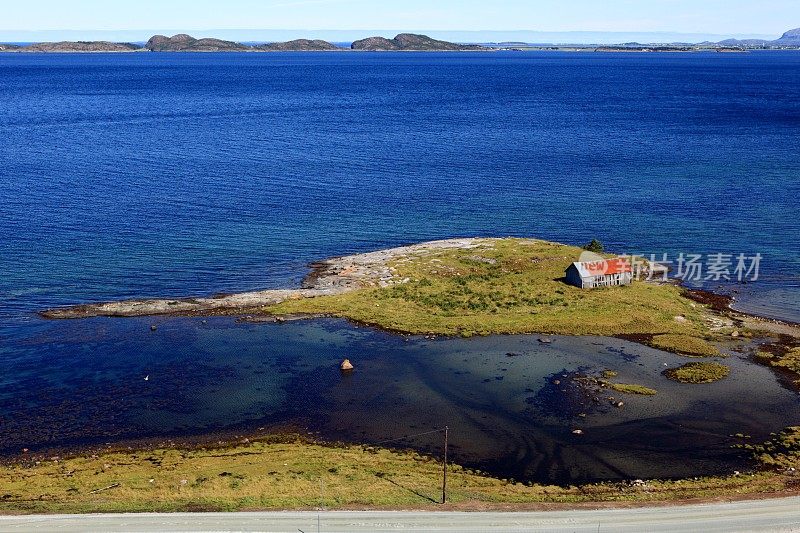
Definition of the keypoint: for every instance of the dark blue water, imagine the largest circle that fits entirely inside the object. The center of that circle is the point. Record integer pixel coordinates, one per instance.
(161, 174)
(167, 175)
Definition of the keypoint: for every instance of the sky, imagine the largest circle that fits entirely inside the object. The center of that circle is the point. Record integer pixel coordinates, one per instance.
(706, 17)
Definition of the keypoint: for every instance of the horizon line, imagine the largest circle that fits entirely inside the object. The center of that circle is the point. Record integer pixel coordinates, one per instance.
(485, 30)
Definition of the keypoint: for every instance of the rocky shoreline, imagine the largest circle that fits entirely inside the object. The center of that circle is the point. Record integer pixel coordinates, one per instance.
(329, 277)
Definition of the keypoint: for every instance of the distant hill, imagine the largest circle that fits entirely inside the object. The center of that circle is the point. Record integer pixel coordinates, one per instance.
(79, 46)
(410, 42)
(187, 43)
(791, 38)
(9, 47)
(742, 42)
(298, 45)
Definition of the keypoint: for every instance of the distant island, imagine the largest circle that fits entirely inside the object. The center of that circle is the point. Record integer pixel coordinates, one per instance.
(187, 43)
(411, 42)
(404, 42)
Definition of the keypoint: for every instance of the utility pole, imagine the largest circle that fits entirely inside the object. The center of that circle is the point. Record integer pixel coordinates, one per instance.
(444, 471)
(321, 503)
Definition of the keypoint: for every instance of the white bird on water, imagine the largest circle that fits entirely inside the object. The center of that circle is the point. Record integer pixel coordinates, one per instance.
(147, 377)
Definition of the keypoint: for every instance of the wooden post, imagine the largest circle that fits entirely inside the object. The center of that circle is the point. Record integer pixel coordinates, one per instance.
(444, 471)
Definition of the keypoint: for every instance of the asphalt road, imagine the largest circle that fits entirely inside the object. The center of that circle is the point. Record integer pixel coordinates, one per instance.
(762, 515)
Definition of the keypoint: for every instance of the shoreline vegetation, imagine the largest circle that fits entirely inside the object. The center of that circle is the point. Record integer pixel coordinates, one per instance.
(403, 42)
(483, 286)
(291, 472)
(456, 287)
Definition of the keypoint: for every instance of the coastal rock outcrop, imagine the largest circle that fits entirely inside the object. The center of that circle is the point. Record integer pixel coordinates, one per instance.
(299, 45)
(375, 44)
(332, 276)
(187, 43)
(411, 42)
(79, 46)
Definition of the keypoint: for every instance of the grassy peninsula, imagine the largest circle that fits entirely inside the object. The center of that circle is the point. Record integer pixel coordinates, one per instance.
(512, 286)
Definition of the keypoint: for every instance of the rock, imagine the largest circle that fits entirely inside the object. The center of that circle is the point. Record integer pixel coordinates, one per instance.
(187, 43)
(346, 366)
(78, 46)
(556, 382)
(409, 41)
(735, 333)
(299, 45)
(545, 340)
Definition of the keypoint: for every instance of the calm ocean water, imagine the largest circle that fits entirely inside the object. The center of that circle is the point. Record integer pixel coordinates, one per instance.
(170, 174)
(180, 174)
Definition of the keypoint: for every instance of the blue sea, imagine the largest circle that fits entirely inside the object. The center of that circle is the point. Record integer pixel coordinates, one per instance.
(133, 175)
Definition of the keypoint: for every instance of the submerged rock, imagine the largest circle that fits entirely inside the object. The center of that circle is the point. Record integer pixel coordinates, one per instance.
(346, 366)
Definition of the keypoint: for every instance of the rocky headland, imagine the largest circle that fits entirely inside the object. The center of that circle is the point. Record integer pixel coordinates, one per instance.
(330, 277)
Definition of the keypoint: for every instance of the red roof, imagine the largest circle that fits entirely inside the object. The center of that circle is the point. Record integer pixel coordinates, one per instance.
(609, 266)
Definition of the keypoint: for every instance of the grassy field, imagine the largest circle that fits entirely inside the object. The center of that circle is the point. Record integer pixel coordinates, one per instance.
(300, 475)
(513, 286)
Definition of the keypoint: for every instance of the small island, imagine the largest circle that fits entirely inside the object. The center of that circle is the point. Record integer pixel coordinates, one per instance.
(410, 42)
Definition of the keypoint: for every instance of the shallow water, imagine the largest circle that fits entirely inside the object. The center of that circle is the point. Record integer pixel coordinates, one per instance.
(79, 382)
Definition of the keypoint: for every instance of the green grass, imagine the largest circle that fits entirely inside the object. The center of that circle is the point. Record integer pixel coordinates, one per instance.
(288, 475)
(700, 372)
(685, 345)
(507, 286)
(631, 389)
(784, 358)
(781, 452)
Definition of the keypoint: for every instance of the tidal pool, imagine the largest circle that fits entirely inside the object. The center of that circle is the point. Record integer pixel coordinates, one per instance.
(509, 401)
